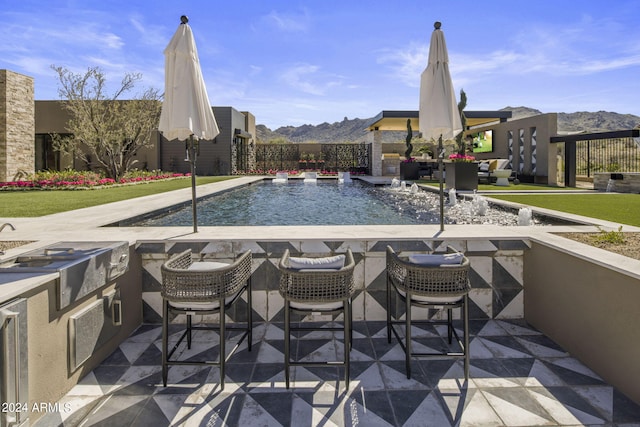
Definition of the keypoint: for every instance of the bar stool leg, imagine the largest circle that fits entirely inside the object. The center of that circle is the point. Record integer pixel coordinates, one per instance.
(466, 336)
(287, 341)
(347, 340)
(388, 310)
(165, 340)
(223, 352)
(450, 325)
(407, 334)
(249, 315)
(189, 331)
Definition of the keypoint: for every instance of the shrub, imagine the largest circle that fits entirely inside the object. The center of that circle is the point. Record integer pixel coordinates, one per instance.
(614, 237)
(71, 179)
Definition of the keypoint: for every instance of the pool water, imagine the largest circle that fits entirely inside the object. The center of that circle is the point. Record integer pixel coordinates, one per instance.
(327, 203)
(292, 203)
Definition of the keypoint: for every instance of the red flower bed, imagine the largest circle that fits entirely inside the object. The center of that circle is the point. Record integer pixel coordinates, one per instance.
(77, 180)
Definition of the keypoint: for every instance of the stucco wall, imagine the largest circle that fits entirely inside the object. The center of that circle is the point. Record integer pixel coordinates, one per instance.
(589, 309)
(539, 163)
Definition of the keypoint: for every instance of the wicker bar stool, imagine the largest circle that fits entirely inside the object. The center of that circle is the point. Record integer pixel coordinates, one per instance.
(431, 281)
(317, 285)
(192, 288)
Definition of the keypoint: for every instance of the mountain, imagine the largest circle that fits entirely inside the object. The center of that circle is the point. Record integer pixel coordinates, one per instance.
(601, 121)
(354, 130)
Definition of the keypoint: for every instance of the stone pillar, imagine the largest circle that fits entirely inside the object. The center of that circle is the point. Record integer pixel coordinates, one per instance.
(375, 139)
(17, 126)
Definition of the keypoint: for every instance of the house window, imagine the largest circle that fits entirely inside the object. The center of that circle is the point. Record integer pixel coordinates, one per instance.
(46, 158)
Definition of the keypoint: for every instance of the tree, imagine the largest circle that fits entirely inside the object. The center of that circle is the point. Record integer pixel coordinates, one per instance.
(460, 142)
(106, 131)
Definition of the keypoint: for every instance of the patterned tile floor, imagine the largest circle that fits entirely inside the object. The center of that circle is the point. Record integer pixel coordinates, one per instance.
(518, 378)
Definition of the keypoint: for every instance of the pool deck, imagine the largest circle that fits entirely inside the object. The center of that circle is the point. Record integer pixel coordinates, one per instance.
(518, 375)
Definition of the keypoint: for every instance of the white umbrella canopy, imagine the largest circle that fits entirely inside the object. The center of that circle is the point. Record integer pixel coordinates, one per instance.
(438, 107)
(186, 109)
(438, 116)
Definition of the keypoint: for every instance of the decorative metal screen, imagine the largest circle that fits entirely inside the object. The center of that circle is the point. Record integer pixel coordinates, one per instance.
(276, 157)
(347, 157)
(354, 158)
(241, 153)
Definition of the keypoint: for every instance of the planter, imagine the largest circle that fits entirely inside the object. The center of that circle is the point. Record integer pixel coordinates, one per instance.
(461, 175)
(409, 170)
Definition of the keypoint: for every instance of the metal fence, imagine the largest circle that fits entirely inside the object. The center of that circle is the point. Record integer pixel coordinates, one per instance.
(354, 158)
(607, 155)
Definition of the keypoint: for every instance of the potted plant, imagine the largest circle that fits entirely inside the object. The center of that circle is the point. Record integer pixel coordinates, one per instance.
(302, 163)
(409, 168)
(461, 172)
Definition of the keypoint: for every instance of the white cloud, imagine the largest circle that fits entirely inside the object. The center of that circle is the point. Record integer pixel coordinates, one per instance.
(305, 78)
(288, 22)
(151, 35)
(575, 50)
(406, 64)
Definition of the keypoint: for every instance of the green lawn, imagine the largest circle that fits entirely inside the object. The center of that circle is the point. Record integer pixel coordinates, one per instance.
(34, 203)
(487, 187)
(622, 208)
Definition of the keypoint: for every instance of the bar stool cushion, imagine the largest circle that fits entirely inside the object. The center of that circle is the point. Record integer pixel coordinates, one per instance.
(434, 260)
(324, 263)
(430, 299)
(316, 306)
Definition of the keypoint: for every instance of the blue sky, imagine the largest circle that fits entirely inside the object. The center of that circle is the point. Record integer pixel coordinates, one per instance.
(308, 62)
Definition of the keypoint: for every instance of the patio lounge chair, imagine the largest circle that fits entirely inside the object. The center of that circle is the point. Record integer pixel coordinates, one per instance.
(317, 285)
(433, 281)
(488, 170)
(192, 288)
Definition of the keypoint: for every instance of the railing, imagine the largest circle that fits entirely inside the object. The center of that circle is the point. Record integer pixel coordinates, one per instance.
(607, 155)
(586, 154)
(330, 157)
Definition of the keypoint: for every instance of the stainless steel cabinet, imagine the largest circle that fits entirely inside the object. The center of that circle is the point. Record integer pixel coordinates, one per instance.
(14, 382)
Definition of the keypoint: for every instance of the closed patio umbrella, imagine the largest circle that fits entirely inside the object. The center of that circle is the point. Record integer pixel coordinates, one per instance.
(186, 111)
(439, 117)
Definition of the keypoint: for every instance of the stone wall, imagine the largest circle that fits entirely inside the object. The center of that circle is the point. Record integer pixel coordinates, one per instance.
(622, 182)
(17, 125)
(375, 139)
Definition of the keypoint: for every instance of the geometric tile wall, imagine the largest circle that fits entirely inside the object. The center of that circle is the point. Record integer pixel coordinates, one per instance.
(496, 273)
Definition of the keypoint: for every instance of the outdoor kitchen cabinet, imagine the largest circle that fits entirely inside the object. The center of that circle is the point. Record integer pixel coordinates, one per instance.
(14, 378)
(71, 327)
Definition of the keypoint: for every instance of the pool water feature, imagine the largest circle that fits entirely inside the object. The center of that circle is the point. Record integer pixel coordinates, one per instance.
(329, 203)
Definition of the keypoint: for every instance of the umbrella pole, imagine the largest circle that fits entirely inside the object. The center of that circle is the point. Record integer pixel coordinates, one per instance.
(440, 169)
(192, 160)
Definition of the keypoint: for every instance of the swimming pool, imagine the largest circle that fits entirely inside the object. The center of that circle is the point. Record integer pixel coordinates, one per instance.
(326, 203)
